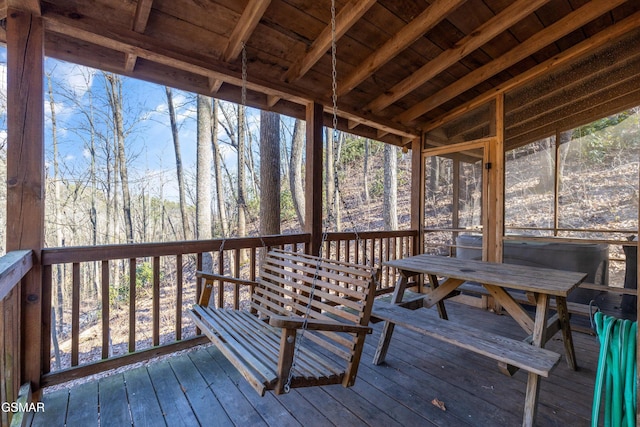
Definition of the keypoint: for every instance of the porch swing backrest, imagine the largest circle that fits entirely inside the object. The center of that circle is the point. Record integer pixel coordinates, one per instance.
(260, 342)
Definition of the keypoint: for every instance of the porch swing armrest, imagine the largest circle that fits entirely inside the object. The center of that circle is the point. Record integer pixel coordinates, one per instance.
(227, 279)
(210, 278)
(288, 322)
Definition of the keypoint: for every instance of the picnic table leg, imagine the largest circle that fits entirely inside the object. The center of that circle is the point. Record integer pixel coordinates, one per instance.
(442, 312)
(563, 315)
(539, 338)
(387, 329)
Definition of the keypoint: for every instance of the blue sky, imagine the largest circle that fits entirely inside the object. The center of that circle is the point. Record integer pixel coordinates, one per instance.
(146, 117)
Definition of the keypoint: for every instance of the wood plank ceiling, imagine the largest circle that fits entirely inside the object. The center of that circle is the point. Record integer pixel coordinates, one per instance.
(402, 65)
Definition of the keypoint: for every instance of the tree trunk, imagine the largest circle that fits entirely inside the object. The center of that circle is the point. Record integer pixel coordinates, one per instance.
(295, 169)
(176, 145)
(330, 188)
(60, 276)
(269, 173)
(365, 183)
(114, 91)
(217, 167)
(390, 198)
(203, 181)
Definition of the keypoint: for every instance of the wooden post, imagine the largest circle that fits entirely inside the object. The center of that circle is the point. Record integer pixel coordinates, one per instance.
(417, 195)
(25, 174)
(495, 192)
(313, 178)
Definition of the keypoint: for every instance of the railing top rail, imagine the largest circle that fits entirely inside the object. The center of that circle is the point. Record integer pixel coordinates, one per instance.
(347, 235)
(72, 254)
(13, 267)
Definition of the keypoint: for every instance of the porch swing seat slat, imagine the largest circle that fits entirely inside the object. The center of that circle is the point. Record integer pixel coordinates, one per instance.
(261, 342)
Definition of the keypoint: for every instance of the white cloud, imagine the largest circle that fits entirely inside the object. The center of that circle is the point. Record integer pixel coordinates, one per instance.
(75, 78)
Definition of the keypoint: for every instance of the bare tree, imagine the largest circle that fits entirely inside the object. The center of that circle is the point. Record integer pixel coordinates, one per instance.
(176, 145)
(390, 199)
(365, 183)
(114, 94)
(295, 169)
(217, 167)
(55, 205)
(203, 180)
(269, 173)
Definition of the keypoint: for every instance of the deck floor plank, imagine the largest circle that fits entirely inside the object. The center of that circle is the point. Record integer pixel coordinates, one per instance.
(55, 405)
(83, 406)
(237, 407)
(272, 411)
(144, 405)
(336, 411)
(112, 398)
(204, 403)
(174, 404)
(201, 387)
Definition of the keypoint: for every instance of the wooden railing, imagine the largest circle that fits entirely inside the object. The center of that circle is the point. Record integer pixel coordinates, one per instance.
(126, 303)
(373, 248)
(13, 267)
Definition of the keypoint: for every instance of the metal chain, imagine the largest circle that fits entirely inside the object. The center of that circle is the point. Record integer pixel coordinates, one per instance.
(325, 233)
(243, 93)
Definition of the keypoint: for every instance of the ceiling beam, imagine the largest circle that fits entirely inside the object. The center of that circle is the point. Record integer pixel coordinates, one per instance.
(600, 39)
(348, 16)
(31, 6)
(561, 28)
(415, 29)
(484, 33)
(247, 23)
(140, 19)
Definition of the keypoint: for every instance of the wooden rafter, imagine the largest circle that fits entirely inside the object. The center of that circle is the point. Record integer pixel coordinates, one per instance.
(241, 32)
(140, 19)
(564, 26)
(487, 31)
(244, 28)
(600, 39)
(424, 22)
(347, 17)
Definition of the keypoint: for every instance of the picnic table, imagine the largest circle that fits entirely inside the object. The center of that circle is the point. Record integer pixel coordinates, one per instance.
(540, 284)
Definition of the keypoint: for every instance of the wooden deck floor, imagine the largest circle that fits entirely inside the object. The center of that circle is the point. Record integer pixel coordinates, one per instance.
(202, 388)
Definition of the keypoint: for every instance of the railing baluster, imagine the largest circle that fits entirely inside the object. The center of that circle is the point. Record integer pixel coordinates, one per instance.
(220, 283)
(156, 301)
(252, 267)
(179, 297)
(47, 291)
(75, 313)
(133, 273)
(105, 310)
(236, 288)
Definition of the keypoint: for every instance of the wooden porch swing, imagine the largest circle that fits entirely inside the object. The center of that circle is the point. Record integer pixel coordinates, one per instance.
(297, 298)
(327, 301)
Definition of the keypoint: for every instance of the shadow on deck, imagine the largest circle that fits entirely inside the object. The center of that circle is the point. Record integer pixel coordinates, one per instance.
(201, 388)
